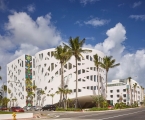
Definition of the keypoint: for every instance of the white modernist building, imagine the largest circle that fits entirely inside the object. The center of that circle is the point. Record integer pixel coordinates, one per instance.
(44, 71)
(119, 91)
(18, 71)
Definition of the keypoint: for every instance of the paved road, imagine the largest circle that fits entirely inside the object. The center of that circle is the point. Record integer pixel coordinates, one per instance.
(129, 114)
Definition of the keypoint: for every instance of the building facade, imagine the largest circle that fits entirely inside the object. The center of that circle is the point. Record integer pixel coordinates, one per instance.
(44, 71)
(122, 90)
(19, 80)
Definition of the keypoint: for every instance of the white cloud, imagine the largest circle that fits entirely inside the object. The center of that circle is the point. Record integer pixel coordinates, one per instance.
(136, 4)
(27, 49)
(132, 64)
(2, 5)
(84, 2)
(26, 37)
(137, 17)
(31, 8)
(79, 23)
(97, 22)
(39, 33)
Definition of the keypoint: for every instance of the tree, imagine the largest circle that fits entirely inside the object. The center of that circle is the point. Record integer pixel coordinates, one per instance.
(52, 95)
(98, 99)
(66, 92)
(129, 80)
(5, 101)
(61, 54)
(75, 49)
(97, 64)
(108, 63)
(134, 88)
(60, 91)
(4, 87)
(14, 99)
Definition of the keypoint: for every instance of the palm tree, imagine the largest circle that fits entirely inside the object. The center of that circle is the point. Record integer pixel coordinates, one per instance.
(66, 92)
(134, 88)
(75, 49)
(97, 64)
(60, 91)
(34, 87)
(14, 99)
(61, 54)
(129, 79)
(4, 89)
(108, 63)
(52, 95)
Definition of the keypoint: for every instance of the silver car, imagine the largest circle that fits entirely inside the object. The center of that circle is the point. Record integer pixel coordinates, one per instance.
(27, 108)
(38, 108)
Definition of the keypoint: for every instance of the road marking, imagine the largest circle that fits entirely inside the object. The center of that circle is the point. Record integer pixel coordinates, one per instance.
(121, 115)
(103, 113)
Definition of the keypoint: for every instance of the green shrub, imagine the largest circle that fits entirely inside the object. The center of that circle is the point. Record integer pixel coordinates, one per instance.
(97, 109)
(68, 109)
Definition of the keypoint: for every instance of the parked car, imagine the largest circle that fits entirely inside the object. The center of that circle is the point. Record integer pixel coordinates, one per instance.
(49, 107)
(2, 108)
(37, 108)
(27, 108)
(16, 109)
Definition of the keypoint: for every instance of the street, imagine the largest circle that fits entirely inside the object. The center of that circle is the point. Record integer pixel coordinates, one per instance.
(128, 114)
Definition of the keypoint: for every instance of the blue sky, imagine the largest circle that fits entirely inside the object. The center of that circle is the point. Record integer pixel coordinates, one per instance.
(115, 27)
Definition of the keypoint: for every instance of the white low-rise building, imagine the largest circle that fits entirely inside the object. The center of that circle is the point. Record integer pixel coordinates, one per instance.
(119, 91)
(44, 71)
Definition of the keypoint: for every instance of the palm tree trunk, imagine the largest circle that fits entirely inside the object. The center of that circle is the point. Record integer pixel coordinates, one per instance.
(66, 102)
(106, 84)
(52, 100)
(98, 88)
(62, 84)
(76, 104)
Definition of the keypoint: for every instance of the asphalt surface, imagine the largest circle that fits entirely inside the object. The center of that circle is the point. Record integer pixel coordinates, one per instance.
(123, 114)
(126, 114)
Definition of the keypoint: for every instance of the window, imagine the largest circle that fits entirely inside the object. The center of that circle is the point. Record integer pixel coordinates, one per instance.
(87, 87)
(124, 95)
(117, 95)
(91, 77)
(94, 87)
(90, 58)
(79, 90)
(124, 100)
(70, 66)
(94, 78)
(74, 90)
(79, 79)
(111, 91)
(124, 90)
(117, 90)
(83, 71)
(79, 72)
(117, 100)
(91, 87)
(33, 63)
(87, 57)
(87, 77)
(111, 96)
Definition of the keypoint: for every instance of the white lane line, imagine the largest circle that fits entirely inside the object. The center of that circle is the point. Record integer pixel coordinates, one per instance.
(121, 115)
(102, 114)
